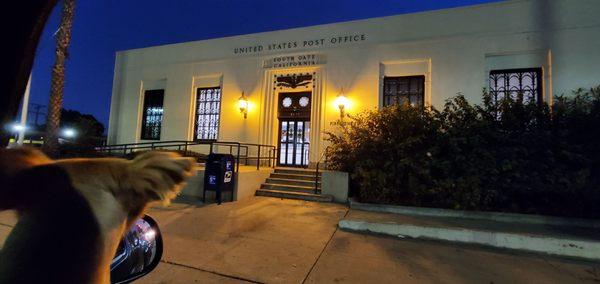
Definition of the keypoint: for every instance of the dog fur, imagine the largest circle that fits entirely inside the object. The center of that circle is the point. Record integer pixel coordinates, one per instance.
(73, 213)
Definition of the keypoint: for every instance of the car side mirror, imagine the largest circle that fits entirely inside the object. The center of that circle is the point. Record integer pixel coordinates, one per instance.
(139, 252)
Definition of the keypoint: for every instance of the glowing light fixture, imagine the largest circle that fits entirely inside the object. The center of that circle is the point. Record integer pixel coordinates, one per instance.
(69, 132)
(17, 127)
(243, 105)
(342, 103)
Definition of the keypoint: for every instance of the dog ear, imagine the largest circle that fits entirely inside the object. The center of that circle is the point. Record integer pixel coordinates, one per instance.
(159, 175)
(13, 162)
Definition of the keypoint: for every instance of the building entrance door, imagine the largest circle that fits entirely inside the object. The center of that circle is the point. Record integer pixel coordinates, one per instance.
(294, 129)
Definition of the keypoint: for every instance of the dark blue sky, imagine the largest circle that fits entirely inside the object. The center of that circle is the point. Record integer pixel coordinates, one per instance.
(103, 27)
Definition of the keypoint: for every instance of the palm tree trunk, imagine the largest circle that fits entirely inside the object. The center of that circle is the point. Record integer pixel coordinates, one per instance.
(63, 38)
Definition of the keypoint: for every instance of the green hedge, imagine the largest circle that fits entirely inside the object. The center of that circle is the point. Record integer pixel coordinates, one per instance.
(508, 156)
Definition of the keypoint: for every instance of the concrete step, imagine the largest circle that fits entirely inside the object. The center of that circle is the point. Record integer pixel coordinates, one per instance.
(294, 176)
(563, 240)
(309, 183)
(294, 195)
(284, 187)
(296, 171)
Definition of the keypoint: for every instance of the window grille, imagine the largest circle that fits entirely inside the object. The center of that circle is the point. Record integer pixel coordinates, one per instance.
(405, 89)
(208, 109)
(153, 114)
(518, 84)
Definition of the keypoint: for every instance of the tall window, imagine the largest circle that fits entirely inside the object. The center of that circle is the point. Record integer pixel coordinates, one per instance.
(518, 84)
(406, 89)
(153, 114)
(208, 109)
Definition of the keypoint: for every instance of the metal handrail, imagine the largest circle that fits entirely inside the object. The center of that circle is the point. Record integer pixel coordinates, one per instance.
(317, 170)
(142, 143)
(179, 144)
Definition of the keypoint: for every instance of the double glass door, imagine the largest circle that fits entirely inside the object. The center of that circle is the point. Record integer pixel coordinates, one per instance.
(294, 129)
(294, 142)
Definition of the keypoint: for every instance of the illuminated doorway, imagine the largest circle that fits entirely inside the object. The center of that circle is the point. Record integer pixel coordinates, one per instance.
(294, 129)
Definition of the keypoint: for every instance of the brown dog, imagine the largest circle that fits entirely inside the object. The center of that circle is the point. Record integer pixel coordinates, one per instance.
(73, 213)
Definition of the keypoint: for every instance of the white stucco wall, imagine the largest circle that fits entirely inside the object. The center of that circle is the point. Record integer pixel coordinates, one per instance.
(454, 48)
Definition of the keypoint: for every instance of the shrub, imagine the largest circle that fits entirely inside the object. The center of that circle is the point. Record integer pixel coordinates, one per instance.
(508, 155)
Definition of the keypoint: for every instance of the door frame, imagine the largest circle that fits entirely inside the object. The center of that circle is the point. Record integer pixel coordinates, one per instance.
(269, 123)
(294, 113)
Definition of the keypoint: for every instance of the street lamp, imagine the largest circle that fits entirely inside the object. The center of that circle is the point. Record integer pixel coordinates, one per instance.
(69, 132)
(17, 127)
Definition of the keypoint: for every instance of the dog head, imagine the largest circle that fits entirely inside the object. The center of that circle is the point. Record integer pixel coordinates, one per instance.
(81, 207)
(129, 184)
(132, 184)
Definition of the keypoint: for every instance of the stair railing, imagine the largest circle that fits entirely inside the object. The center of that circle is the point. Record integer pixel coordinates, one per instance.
(235, 148)
(323, 154)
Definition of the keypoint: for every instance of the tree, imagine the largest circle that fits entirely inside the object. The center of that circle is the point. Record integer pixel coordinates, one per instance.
(89, 131)
(63, 38)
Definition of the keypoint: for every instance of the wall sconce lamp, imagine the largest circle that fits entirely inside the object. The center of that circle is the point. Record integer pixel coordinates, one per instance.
(342, 103)
(243, 105)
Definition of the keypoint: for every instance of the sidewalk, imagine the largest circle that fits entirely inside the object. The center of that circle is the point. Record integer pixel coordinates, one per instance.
(8, 219)
(561, 240)
(270, 240)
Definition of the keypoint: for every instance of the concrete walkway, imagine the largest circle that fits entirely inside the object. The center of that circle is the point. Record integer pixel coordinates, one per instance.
(359, 258)
(258, 239)
(269, 240)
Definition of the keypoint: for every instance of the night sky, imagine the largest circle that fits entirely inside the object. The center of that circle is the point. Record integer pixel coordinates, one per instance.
(103, 27)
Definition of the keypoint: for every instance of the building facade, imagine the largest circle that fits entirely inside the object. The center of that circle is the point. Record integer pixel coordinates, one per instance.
(291, 80)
